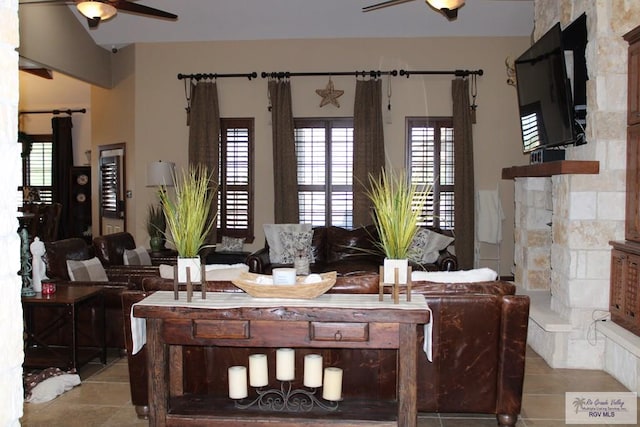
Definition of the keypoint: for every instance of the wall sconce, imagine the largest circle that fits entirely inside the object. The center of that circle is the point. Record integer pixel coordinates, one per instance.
(160, 174)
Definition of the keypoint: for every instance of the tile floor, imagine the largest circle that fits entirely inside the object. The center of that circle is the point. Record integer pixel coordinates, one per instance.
(103, 399)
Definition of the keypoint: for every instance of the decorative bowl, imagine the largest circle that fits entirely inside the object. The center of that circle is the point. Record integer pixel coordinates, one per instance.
(248, 282)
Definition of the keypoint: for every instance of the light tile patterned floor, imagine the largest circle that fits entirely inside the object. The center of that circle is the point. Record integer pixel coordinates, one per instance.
(104, 400)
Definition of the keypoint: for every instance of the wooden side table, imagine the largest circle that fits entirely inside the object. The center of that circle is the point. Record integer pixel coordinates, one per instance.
(237, 320)
(70, 299)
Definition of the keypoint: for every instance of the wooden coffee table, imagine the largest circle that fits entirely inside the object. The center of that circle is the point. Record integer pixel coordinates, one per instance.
(68, 301)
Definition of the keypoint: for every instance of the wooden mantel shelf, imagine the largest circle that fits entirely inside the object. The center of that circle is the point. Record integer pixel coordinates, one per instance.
(560, 167)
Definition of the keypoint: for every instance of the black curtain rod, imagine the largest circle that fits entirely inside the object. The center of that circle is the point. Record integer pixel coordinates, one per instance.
(458, 73)
(201, 76)
(69, 112)
(364, 73)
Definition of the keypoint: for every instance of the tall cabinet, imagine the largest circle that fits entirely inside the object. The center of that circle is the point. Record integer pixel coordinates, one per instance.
(624, 301)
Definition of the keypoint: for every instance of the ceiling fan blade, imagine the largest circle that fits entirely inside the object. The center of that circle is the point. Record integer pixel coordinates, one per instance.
(384, 4)
(127, 6)
(24, 2)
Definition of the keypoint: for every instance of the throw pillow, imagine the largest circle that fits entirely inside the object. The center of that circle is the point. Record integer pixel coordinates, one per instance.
(435, 243)
(90, 270)
(426, 246)
(48, 385)
(418, 245)
(137, 256)
(230, 244)
(274, 232)
(295, 241)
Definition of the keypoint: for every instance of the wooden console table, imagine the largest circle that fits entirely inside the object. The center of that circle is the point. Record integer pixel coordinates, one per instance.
(237, 320)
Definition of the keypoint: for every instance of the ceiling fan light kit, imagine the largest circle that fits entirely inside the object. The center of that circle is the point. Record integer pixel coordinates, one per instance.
(448, 7)
(96, 9)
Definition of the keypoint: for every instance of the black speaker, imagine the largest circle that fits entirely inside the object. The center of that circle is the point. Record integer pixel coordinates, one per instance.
(79, 218)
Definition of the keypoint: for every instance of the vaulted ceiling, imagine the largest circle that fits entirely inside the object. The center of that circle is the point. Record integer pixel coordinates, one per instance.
(205, 20)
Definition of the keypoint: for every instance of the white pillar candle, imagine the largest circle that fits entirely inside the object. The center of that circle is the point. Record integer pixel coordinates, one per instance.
(285, 364)
(258, 370)
(313, 370)
(332, 389)
(238, 382)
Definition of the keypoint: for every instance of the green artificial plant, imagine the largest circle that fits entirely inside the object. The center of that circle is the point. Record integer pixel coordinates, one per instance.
(398, 205)
(187, 214)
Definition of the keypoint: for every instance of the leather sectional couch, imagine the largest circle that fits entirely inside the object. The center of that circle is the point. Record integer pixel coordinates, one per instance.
(120, 277)
(479, 341)
(348, 251)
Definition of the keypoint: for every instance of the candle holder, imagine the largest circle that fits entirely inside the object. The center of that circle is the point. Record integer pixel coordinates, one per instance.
(287, 400)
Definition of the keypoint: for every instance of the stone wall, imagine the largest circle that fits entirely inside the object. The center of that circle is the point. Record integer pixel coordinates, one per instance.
(11, 356)
(587, 210)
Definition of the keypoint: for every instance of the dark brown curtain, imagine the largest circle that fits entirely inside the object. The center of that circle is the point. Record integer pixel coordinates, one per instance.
(285, 173)
(368, 145)
(464, 181)
(204, 135)
(62, 163)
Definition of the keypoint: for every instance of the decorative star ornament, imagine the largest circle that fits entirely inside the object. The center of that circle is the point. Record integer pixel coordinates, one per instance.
(329, 95)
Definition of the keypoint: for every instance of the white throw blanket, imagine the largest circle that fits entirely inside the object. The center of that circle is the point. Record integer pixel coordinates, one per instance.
(461, 276)
(213, 272)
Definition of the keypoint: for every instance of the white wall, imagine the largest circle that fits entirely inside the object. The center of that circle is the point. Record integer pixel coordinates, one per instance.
(11, 356)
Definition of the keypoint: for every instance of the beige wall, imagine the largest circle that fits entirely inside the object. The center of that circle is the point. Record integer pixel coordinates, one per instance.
(54, 37)
(161, 133)
(145, 108)
(61, 93)
(113, 122)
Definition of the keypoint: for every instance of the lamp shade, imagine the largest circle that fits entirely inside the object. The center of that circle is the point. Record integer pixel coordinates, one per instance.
(160, 174)
(445, 4)
(96, 9)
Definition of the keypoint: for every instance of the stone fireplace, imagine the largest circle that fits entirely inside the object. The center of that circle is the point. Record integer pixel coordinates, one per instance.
(564, 221)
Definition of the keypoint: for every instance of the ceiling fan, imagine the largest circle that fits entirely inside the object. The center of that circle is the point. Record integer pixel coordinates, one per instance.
(101, 10)
(448, 8)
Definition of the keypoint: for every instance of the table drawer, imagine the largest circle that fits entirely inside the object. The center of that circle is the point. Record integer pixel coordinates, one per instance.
(339, 331)
(218, 329)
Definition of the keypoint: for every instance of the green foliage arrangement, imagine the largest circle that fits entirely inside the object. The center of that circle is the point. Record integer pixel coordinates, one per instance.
(188, 214)
(397, 206)
(156, 222)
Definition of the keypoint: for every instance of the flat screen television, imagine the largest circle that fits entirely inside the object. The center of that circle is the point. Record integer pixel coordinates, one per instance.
(547, 114)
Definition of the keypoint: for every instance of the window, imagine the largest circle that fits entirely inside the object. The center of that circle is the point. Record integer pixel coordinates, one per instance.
(37, 169)
(324, 149)
(430, 160)
(111, 184)
(235, 191)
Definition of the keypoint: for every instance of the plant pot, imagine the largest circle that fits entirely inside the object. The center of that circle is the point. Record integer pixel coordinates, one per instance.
(157, 243)
(390, 266)
(194, 265)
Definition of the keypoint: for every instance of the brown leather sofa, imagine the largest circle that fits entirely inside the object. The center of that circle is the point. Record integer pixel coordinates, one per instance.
(347, 251)
(120, 278)
(479, 341)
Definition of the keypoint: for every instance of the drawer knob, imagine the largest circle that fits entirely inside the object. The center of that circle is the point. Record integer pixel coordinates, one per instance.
(338, 336)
